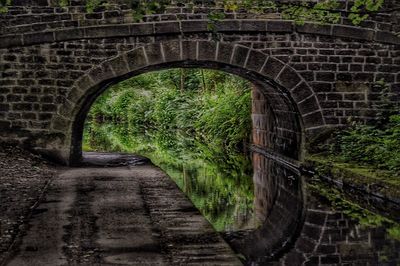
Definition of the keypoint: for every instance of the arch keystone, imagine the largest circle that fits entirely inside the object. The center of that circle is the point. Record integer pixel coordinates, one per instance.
(207, 50)
(119, 65)
(172, 51)
(136, 59)
(240, 55)
(189, 50)
(154, 54)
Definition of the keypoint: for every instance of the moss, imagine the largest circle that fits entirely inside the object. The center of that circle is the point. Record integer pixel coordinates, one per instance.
(371, 179)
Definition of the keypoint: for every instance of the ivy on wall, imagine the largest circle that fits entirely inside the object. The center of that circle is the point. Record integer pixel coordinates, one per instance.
(4, 4)
(325, 11)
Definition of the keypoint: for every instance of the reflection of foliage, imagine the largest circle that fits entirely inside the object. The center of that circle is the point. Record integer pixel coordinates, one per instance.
(363, 216)
(192, 123)
(222, 192)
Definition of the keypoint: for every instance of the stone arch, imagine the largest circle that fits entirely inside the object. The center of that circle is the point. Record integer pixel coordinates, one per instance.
(286, 90)
(294, 105)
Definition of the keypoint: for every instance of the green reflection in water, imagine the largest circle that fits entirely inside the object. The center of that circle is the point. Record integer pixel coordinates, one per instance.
(219, 185)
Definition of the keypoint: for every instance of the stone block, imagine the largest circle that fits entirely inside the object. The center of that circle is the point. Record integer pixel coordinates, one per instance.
(309, 105)
(253, 25)
(34, 38)
(314, 28)
(60, 123)
(301, 92)
(167, 28)
(280, 26)
(22, 107)
(288, 78)
(227, 26)
(313, 120)
(107, 31)
(48, 107)
(352, 32)
(4, 107)
(136, 59)
(172, 51)
(207, 51)
(189, 50)
(84, 83)
(387, 37)
(142, 29)
(224, 53)
(101, 73)
(154, 53)
(10, 41)
(119, 65)
(305, 245)
(272, 68)
(256, 60)
(194, 26)
(240, 55)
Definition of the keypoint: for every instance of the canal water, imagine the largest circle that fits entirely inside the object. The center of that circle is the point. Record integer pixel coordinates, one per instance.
(335, 232)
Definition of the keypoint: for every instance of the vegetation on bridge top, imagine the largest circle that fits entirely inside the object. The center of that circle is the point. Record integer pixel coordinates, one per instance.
(324, 11)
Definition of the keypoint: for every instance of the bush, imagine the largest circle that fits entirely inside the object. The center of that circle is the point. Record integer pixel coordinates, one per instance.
(377, 146)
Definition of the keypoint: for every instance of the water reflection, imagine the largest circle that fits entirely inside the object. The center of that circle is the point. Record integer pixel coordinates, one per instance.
(219, 185)
(226, 203)
(264, 221)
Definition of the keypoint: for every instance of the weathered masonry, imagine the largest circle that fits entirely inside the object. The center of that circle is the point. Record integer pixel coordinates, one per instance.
(55, 61)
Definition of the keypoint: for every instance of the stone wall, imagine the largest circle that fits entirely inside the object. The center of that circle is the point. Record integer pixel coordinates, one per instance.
(309, 78)
(331, 78)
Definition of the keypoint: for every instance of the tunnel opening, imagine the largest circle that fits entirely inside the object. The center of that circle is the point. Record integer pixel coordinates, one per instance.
(277, 130)
(195, 124)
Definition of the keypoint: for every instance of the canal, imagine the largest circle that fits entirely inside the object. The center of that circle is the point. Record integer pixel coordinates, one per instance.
(335, 231)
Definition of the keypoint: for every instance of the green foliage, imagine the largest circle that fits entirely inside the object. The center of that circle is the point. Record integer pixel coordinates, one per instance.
(374, 145)
(141, 8)
(371, 145)
(64, 3)
(190, 122)
(91, 5)
(208, 109)
(254, 6)
(213, 18)
(323, 11)
(4, 4)
(320, 12)
(361, 8)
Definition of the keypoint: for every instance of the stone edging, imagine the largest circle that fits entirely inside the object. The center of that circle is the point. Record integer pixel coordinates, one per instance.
(196, 26)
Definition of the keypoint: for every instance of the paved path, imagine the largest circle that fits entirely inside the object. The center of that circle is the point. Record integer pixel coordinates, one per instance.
(124, 215)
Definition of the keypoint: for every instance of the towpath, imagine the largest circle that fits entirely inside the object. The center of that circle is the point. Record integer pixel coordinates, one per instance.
(128, 213)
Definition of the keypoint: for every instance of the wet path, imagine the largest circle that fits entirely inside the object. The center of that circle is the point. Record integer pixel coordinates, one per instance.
(124, 215)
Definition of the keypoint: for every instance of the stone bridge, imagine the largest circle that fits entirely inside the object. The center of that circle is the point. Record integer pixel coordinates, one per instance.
(308, 79)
